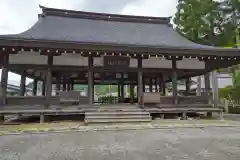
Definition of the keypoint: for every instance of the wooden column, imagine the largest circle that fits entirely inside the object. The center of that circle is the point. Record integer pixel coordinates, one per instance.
(188, 85)
(164, 88)
(199, 86)
(34, 87)
(174, 81)
(49, 81)
(68, 85)
(72, 84)
(207, 83)
(144, 85)
(215, 95)
(132, 92)
(160, 83)
(4, 80)
(150, 84)
(140, 83)
(122, 88)
(58, 84)
(90, 81)
(156, 83)
(119, 92)
(22, 84)
(44, 87)
(64, 84)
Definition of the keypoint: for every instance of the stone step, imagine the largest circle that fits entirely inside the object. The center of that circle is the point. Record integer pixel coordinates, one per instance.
(119, 109)
(118, 117)
(116, 120)
(116, 113)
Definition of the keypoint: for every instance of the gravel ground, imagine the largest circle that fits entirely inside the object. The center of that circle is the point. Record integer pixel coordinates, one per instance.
(173, 144)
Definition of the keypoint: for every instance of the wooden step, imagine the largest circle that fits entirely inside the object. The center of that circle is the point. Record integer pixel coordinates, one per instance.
(119, 109)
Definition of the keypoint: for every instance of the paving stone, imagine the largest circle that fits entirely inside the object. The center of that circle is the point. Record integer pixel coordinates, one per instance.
(173, 144)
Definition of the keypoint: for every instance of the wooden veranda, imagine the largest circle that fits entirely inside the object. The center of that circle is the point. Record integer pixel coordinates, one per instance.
(106, 49)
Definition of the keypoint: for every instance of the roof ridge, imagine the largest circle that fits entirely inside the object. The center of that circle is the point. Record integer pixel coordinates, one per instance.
(102, 16)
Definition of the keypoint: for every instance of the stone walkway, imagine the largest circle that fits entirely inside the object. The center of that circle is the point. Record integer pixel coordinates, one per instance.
(169, 144)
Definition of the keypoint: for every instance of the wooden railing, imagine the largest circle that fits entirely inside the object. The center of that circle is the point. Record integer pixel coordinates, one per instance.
(32, 100)
(151, 98)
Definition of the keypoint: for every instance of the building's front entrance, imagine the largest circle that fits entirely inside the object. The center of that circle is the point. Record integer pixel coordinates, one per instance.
(115, 87)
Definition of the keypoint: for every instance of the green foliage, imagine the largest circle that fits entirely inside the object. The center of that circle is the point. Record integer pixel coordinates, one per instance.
(225, 92)
(98, 89)
(207, 21)
(231, 93)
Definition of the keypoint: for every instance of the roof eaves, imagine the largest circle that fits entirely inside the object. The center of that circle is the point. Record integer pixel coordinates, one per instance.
(16, 42)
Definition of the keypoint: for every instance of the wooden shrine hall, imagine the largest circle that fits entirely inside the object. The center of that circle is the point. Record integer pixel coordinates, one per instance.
(65, 47)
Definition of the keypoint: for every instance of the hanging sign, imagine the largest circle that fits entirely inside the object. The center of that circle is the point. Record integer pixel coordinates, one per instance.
(116, 61)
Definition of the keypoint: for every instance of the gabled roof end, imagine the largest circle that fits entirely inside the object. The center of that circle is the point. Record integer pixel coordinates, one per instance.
(103, 16)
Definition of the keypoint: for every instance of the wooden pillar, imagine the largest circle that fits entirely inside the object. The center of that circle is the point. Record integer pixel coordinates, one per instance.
(150, 84)
(207, 86)
(44, 87)
(68, 85)
(72, 84)
(174, 81)
(144, 84)
(215, 88)
(90, 81)
(140, 83)
(49, 81)
(34, 87)
(64, 83)
(122, 92)
(132, 92)
(122, 88)
(164, 88)
(199, 86)
(58, 84)
(188, 85)
(93, 90)
(160, 83)
(156, 83)
(22, 84)
(207, 83)
(119, 92)
(4, 80)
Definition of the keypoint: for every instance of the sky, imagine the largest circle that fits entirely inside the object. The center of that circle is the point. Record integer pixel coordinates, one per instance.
(17, 16)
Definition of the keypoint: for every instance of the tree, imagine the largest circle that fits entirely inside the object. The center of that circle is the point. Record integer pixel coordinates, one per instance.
(208, 22)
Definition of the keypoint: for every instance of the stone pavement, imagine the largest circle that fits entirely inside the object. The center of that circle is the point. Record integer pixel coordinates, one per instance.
(210, 143)
(69, 126)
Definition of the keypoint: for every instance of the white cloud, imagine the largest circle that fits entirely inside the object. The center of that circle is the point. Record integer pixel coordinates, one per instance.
(155, 8)
(18, 15)
(62, 4)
